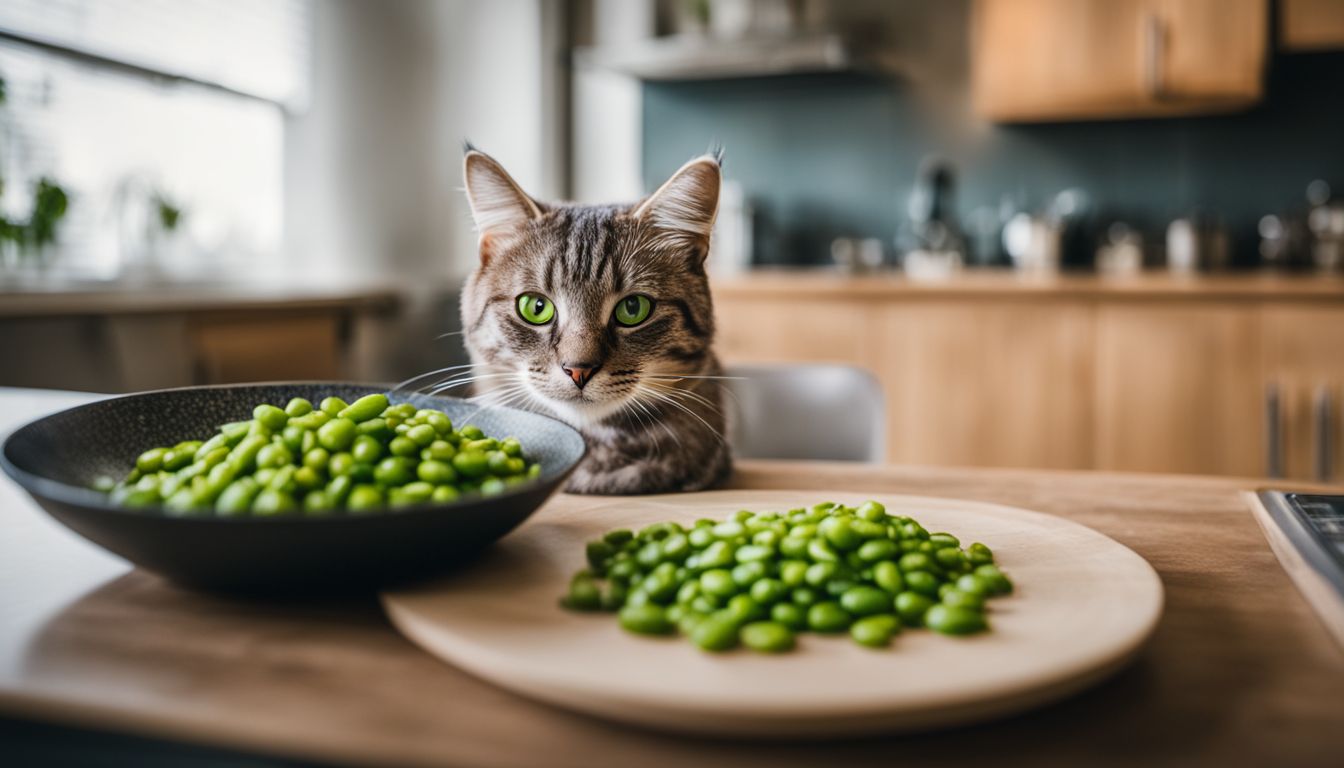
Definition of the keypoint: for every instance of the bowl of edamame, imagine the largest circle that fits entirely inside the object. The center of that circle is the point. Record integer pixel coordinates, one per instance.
(291, 486)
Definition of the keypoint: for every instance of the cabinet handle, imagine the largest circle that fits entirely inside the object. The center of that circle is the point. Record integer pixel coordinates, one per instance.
(1273, 432)
(1154, 50)
(1324, 442)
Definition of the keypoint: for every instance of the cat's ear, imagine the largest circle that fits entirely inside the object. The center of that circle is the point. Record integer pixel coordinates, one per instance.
(498, 205)
(685, 205)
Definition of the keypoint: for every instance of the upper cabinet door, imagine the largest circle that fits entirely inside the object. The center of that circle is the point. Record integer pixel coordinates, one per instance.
(1208, 51)
(1311, 25)
(1094, 59)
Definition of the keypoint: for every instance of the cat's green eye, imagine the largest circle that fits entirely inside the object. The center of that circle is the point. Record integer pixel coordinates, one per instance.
(633, 309)
(535, 308)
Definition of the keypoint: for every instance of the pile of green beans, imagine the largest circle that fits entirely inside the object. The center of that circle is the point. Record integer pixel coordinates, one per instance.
(357, 457)
(759, 578)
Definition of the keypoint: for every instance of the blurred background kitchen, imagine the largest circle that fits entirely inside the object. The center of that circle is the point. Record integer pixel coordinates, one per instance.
(1057, 233)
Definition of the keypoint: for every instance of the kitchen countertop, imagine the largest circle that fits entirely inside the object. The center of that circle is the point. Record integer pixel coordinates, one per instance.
(1240, 671)
(820, 283)
(191, 297)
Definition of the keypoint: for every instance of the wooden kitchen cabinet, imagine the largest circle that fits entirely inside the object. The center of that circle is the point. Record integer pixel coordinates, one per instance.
(1002, 383)
(1311, 25)
(227, 350)
(1151, 374)
(1177, 390)
(768, 330)
(1302, 358)
(1089, 59)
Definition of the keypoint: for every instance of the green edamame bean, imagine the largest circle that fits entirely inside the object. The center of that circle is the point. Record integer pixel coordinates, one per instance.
(270, 417)
(645, 619)
(922, 582)
(769, 591)
(510, 446)
(392, 471)
(439, 421)
(911, 607)
(804, 596)
(584, 595)
(422, 435)
(874, 631)
(840, 533)
(789, 615)
(366, 449)
(871, 510)
(306, 479)
(715, 633)
(274, 455)
(470, 464)
(995, 581)
(332, 406)
(337, 434)
(213, 444)
(236, 499)
(298, 407)
(827, 617)
(292, 437)
(976, 585)
(887, 576)
(365, 408)
(718, 582)
(317, 459)
(865, 601)
(271, 502)
(792, 572)
(151, 460)
(955, 620)
(979, 554)
(316, 502)
(767, 637)
(338, 488)
(376, 428)
(310, 421)
(747, 574)
(943, 540)
(403, 446)
(959, 599)
(439, 450)
(363, 498)
(444, 494)
(436, 472)
(877, 550)
(821, 552)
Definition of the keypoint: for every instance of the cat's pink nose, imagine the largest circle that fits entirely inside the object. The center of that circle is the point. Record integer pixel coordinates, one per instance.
(579, 372)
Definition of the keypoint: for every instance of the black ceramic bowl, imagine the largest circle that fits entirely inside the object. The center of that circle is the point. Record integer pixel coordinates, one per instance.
(57, 458)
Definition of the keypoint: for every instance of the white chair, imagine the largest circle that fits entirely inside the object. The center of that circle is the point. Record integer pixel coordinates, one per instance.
(791, 411)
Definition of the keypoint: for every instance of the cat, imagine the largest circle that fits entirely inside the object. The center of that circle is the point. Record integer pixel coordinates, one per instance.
(600, 315)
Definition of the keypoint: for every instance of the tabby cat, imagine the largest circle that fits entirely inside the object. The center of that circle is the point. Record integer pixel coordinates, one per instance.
(601, 317)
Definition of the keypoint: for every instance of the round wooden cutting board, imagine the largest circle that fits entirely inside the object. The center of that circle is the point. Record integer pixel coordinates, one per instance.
(1082, 607)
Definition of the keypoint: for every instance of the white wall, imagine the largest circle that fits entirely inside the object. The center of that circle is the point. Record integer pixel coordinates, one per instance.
(373, 167)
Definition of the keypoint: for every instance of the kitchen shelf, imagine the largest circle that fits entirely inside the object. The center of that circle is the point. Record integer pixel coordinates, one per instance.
(698, 57)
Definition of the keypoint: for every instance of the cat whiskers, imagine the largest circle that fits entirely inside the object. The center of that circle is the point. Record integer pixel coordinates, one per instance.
(464, 380)
(666, 396)
(405, 385)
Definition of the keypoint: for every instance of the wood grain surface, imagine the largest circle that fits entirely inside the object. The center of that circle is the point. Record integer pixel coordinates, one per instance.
(1240, 671)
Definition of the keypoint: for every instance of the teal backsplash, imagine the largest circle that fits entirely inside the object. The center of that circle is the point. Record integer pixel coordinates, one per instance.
(829, 155)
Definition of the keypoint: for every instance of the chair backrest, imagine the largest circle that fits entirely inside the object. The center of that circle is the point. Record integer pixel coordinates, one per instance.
(792, 411)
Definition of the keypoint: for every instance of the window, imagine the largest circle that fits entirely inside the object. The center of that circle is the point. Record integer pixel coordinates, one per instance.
(164, 121)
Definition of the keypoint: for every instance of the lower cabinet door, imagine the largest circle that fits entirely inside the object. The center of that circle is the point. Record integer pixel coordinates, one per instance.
(1178, 390)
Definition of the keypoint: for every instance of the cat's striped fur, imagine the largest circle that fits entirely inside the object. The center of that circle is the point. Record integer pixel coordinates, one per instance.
(652, 413)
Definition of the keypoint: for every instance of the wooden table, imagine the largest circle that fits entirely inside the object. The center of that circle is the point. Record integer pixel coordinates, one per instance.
(1239, 672)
